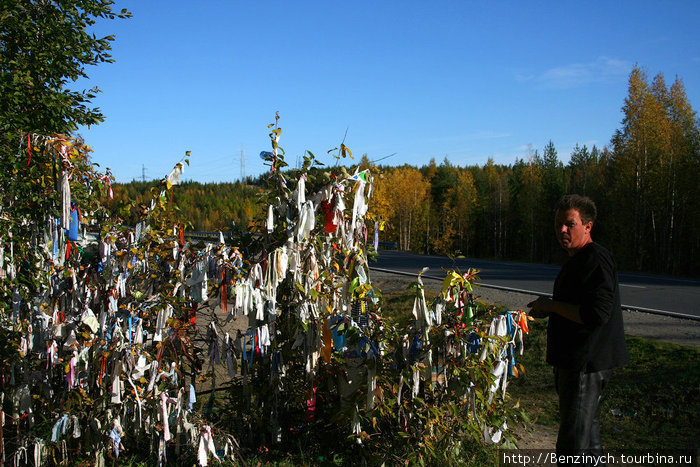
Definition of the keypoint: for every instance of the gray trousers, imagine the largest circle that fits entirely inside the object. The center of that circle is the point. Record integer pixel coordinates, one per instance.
(579, 411)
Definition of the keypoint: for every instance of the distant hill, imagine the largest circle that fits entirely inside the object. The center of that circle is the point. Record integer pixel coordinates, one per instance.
(208, 206)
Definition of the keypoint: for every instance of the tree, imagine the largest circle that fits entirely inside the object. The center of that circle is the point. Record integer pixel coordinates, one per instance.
(552, 190)
(632, 155)
(681, 170)
(654, 157)
(455, 220)
(529, 201)
(494, 204)
(46, 46)
(444, 177)
(382, 208)
(466, 203)
(400, 194)
(579, 169)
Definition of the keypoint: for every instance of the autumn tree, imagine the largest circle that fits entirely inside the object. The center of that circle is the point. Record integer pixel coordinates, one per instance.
(383, 208)
(631, 146)
(400, 195)
(677, 166)
(431, 212)
(443, 179)
(456, 219)
(658, 139)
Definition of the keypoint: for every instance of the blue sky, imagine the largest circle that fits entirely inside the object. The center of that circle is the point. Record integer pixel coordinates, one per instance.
(464, 80)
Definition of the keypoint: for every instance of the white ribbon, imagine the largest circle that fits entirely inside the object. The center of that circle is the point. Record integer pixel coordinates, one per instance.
(116, 384)
(164, 400)
(270, 220)
(206, 446)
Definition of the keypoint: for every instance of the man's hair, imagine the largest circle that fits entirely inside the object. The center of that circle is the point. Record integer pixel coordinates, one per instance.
(583, 204)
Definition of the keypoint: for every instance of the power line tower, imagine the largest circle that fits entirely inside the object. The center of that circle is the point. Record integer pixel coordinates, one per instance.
(143, 173)
(242, 159)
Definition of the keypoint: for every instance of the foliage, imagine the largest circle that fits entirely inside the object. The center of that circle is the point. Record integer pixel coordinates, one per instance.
(401, 195)
(113, 324)
(46, 46)
(656, 162)
(378, 385)
(81, 316)
(207, 207)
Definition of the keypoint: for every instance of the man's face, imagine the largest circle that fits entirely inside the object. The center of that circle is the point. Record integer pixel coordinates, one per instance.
(571, 232)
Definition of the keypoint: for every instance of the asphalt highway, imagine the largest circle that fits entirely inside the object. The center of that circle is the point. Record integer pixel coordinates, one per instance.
(664, 293)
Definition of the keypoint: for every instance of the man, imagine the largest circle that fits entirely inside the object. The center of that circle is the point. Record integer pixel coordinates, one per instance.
(585, 335)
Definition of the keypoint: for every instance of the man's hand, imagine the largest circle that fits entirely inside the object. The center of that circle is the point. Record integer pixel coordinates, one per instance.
(543, 307)
(540, 307)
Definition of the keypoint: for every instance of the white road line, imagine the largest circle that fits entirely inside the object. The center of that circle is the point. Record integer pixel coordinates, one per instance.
(633, 286)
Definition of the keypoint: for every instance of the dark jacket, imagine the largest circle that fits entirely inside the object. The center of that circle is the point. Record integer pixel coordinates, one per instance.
(588, 279)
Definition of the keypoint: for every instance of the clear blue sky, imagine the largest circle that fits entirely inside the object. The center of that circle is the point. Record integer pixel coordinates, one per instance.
(466, 80)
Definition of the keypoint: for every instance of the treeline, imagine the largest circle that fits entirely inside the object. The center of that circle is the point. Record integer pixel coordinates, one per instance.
(644, 184)
(206, 206)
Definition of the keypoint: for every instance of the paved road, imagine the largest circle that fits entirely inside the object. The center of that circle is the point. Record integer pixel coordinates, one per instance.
(647, 291)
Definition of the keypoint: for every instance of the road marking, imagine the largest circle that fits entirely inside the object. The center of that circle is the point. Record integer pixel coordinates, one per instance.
(633, 286)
